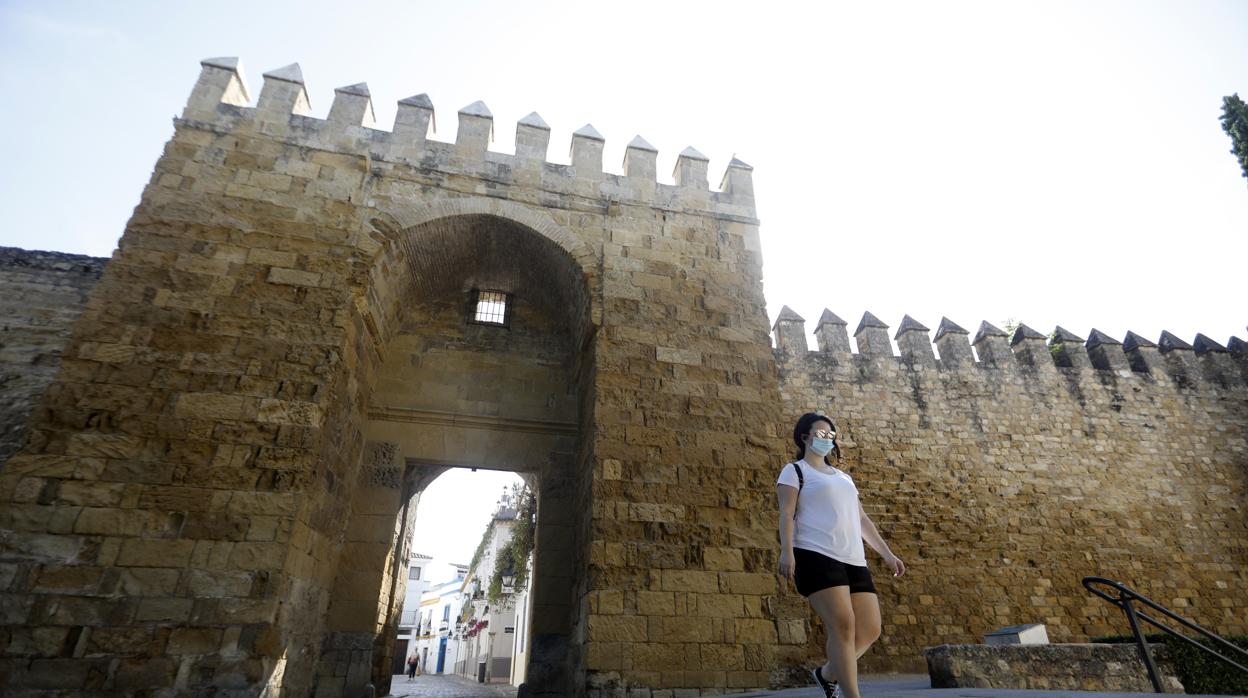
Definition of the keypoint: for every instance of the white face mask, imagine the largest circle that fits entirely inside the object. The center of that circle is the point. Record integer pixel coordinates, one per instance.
(822, 447)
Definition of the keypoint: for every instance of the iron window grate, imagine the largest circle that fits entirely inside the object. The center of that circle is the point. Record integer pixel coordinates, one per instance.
(491, 308)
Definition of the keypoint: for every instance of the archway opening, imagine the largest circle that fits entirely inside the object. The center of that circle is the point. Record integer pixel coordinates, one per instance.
(459, 385)
(466, 611)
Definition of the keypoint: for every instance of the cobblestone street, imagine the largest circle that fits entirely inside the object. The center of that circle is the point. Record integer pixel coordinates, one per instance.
(918, 686)
(881, 686)
(448, 686)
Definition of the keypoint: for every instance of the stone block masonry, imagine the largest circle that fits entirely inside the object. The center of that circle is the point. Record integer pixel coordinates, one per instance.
(1067, 667)
(218, 483)
(1004, 475)
(41, 295)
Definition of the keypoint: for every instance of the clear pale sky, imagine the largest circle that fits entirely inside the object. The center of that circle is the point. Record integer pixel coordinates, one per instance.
(1051, 162)
(451, 516)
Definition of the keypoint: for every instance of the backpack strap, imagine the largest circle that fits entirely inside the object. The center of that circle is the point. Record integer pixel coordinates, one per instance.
(801, 482)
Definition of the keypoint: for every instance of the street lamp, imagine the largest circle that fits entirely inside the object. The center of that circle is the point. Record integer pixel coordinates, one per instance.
(509, 575)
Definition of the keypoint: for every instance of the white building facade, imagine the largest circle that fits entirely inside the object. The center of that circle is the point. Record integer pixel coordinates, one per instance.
(417, 569)
(486, 632)
(434, 618)
(451, 627)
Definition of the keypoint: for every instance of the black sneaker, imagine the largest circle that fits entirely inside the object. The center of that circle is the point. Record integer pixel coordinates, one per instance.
(830, 688)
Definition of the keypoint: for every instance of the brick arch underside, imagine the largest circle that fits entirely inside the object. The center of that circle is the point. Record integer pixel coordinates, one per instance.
(485, 252)
(499, 245)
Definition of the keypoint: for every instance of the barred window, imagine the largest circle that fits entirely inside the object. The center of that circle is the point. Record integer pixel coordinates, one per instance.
(491, 308)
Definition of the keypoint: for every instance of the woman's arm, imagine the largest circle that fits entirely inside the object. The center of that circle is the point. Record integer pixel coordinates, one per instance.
(787, 496)
(872, 536)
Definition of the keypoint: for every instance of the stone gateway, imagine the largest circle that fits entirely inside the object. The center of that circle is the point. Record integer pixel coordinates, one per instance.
(218, 473)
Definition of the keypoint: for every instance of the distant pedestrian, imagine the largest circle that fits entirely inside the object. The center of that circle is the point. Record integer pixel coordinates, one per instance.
(822, 527)
(412, 664)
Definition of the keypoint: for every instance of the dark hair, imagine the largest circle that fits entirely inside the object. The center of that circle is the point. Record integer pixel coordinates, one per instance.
(802, 428)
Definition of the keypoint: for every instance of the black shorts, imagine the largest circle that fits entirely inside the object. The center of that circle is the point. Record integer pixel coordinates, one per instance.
(816, 572)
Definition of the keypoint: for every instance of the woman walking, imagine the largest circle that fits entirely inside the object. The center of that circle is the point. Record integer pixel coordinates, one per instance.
(822, 528)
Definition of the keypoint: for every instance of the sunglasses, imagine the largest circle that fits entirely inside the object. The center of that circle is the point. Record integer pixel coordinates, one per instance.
(824, 434)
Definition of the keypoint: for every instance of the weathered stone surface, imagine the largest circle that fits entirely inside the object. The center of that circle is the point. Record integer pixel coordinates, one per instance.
(41, 295)
(790, 331)
(1073, 667)
(872, 336)
(1005, 469)
(916, 348)
(909, 324)
(831, 333)
(283, 354)
(291, 289)
(1068, 349)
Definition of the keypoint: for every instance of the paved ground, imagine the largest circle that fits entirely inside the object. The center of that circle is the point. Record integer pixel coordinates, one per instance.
(443, 686)
(918, 686)
(894, 686)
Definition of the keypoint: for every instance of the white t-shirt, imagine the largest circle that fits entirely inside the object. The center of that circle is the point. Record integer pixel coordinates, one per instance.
(827, 513)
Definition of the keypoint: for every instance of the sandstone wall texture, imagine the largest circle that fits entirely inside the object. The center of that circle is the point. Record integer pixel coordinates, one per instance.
(41, 295)
(1003, 482)
(220, 480)
(1069, 667)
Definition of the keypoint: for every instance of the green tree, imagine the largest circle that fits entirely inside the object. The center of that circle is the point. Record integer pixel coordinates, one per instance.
(1012, 323)
(1235, 123)
(514, 556)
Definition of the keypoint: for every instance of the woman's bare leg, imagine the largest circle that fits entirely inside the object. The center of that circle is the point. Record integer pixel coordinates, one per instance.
(866, 620)
(836, 610)
(867, 625)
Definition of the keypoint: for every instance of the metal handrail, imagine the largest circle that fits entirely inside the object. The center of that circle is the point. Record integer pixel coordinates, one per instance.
(1127, 596)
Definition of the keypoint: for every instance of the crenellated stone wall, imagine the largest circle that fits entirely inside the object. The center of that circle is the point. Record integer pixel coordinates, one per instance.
(1004, 475)
(221, 477)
